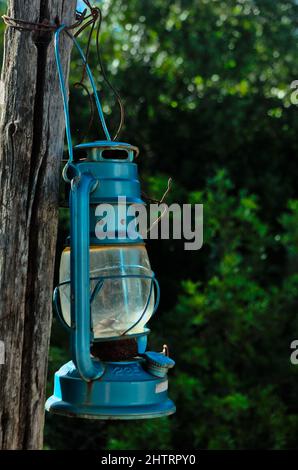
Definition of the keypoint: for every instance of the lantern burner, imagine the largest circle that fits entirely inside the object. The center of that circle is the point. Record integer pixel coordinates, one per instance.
(120, 350)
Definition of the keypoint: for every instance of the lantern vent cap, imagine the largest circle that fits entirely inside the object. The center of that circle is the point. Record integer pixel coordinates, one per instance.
(110, 150)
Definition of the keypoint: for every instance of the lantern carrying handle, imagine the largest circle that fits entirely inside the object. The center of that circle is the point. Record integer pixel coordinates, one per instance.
(65, 95)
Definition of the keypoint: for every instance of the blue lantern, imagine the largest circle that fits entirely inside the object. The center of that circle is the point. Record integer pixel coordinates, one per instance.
(107, 291)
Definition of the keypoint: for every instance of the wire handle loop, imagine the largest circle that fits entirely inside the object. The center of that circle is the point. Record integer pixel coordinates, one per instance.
(65, 95)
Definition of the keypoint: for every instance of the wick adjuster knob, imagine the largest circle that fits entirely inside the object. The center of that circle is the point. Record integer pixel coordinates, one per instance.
(157, 363)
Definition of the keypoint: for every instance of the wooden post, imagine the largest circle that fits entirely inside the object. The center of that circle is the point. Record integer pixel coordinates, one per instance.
(31, 145)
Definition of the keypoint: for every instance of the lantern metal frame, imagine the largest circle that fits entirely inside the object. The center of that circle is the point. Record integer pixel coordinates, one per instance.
(96, 291)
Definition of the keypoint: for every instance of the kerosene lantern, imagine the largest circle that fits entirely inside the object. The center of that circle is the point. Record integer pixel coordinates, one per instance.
(107, 291)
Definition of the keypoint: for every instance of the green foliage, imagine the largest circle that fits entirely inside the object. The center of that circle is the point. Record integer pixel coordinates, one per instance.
(233, 333)
(154, 434)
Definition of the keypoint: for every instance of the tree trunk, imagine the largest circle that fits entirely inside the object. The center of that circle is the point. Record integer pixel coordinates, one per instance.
(31, 145)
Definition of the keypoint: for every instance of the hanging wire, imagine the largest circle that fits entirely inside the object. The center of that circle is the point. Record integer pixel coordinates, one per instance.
(96, 14)
(44, 26)
(64, 92)
(97, 18)
(80, 84)
(112, 88)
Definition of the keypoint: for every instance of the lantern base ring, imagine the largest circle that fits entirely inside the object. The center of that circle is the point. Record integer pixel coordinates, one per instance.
(59, 407)
(125, 391)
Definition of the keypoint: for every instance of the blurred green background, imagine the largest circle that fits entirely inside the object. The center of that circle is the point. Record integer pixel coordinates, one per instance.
(206, 87)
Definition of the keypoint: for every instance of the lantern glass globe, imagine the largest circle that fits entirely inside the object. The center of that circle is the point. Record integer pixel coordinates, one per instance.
(124, 299)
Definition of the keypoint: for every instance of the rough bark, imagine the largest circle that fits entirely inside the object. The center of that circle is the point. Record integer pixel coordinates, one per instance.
(31, 145)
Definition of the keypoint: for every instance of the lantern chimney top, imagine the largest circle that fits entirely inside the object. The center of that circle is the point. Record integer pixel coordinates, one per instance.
(106, 150)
